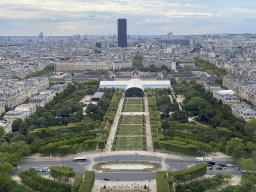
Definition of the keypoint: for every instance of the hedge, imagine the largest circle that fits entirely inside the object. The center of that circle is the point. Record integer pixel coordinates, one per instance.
(161, 182)
(77, 183)
(38, 183)
(189, 174)
(89, 178)
(179, 148)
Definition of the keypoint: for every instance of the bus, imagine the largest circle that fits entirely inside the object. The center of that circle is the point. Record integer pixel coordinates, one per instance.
(79, 159)
(207, 159)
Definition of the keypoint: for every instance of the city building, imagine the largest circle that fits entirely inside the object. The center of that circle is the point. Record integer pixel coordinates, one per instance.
(81, 66)
(41, 37)
(2, 106)
(170, 36)
(30, 108)
(10, 116)
(122, 32)
(135, 87)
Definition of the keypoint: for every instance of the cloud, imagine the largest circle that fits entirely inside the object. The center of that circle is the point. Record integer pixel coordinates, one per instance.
(68, 27)
(99, 16)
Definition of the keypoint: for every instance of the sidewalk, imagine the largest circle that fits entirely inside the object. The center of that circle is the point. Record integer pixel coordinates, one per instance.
(148, 127)
(98, 184)
(114, 125)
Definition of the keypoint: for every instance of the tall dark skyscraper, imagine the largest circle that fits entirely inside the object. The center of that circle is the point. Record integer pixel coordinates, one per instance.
(122, 32)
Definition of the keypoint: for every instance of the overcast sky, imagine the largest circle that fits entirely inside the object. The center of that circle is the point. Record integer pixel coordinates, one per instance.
(144, 17)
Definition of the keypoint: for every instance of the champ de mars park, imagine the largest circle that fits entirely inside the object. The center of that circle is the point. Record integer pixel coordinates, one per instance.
(133, 136)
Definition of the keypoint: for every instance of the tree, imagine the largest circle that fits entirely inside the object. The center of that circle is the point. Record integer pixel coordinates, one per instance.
(238, 152)
(2, 131)
(173, 81)
(64, 150)
(250, 128)
(23, 128)
(164, 67)
(16, 124)
(180, 116)
(16, 77)
(62, 173)
(49, 148)
(247, 164)
(234, 142)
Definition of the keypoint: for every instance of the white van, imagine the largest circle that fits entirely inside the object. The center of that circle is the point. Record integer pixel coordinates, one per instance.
(199, 159)
(207, 159)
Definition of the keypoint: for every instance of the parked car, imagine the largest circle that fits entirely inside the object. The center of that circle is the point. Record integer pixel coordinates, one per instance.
(210, 168)
(237, 168)
(211, 163)
(224, 168)
(230, 165)
(106, 179)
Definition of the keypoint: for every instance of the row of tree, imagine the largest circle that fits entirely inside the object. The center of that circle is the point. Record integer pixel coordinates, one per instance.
(184, 175)
(62, 173)
(161, 182)
(203, 185)
(47, 69)
(77, 183)
(34, 181)
(207, 65)
(88, 182)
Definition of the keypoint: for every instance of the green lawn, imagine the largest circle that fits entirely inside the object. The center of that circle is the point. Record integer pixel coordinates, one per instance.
(136, 119)
(135, 101)
(130, 143)
(133, 108)
(131, 130)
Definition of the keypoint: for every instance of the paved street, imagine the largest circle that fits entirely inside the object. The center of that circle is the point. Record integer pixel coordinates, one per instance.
(167, 163)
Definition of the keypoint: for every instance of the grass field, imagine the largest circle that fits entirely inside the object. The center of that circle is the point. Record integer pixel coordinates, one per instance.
(130, 143)
(133, 105)
(134, 101)
(131, 133)
(136, 119)
(130, 130)
(134, 108)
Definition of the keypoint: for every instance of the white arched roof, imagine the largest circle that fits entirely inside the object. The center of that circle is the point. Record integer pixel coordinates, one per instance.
(134, 83)
(226, 92)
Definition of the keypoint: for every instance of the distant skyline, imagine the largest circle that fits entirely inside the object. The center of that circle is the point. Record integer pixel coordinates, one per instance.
(144, 17)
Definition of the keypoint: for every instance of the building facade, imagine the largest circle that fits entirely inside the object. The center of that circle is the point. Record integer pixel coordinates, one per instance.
(81, 66)
(122, 32)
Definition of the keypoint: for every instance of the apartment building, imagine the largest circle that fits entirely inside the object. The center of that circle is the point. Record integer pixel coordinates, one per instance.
(10, 116)
(30, 108)
(39, 100)
(49, 94)
(2, 106)
(243, 111)
(81, 66)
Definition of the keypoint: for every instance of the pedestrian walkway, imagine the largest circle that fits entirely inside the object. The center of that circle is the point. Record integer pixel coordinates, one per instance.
(133, 113)
(130, 185)
(112, 132)
(148, 127)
